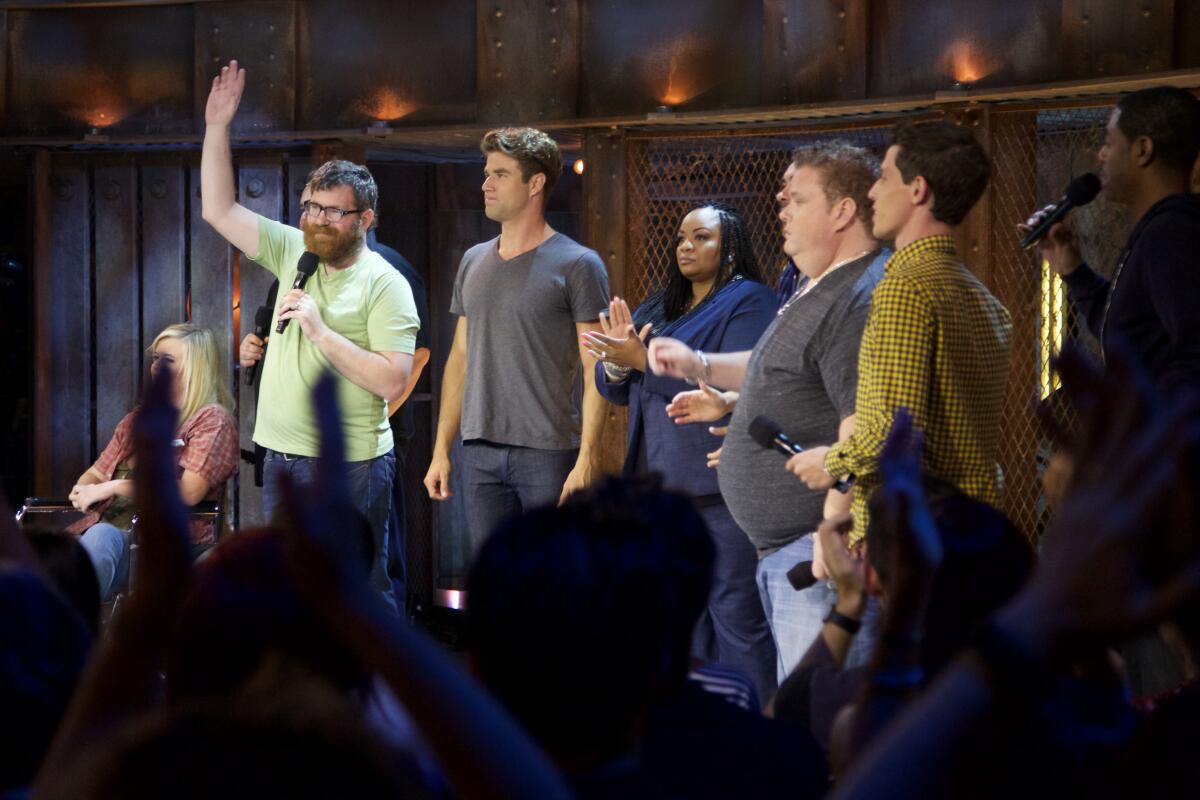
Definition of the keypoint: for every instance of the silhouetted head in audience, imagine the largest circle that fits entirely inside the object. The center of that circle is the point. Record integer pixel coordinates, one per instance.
(67, 563)
(246, 622)
(581, 615)
(43, 648)
(281, 747)
(985, 561)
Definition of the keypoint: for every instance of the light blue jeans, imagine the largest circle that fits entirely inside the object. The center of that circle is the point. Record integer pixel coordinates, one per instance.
(108, 548)
(796, 617)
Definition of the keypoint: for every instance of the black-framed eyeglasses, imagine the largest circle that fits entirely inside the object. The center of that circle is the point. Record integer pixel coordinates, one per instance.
(314, 210)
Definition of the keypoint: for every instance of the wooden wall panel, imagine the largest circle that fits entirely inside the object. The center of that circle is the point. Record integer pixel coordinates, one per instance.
(126, 70)
(119, 358)
(1102, 38)
(260, 186)
(3, 64)
(64, 437)
(814, 52)
(920, 46)
(636, 57)
(360, 60)
(604, 226)
(528, 60)
(261, 35)
(1187, 34)
(163, 248)
(210, 290)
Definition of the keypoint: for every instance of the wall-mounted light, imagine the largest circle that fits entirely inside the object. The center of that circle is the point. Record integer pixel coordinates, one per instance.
(578, 166)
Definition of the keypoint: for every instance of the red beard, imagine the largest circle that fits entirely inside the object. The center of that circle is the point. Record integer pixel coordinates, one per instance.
(331, 245)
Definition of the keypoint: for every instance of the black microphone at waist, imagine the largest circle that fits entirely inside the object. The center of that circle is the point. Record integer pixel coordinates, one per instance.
(262, 324)
(769, 435)
(304, 268)
(1080, 192)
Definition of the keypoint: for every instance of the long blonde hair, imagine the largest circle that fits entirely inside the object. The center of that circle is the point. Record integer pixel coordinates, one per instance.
(200, 371)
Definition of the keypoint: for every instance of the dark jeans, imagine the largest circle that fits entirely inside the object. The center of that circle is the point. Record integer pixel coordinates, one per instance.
(733, 629)
(397, 565)
(370, 490)
(501, 481)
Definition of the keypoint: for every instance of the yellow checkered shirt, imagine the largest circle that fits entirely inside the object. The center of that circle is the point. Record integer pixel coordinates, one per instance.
(937, 343)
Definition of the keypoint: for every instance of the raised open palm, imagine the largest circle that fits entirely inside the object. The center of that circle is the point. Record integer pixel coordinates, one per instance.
(225, 95)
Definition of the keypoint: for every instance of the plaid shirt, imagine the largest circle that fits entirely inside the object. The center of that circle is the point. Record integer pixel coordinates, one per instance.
(210, 449)
(937, 343)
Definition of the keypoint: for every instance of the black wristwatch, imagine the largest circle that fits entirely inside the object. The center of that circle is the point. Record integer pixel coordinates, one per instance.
(849, 624)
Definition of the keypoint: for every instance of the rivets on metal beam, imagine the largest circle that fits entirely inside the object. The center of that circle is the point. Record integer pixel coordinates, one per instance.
(112, 190)
(256, 187)
(158, 189)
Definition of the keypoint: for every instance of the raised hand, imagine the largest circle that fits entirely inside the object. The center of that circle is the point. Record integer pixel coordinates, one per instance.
(705, 404)
(163, 570)
(225, 95)
(619, 342)
(916, 544)
(1122, 553)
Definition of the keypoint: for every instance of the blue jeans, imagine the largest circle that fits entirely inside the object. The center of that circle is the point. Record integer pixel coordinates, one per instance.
(370, 484)
(796, 617)
(501, 481)
(108, 548)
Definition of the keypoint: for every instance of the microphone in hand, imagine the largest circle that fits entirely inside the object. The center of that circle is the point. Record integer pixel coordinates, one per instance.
(262, 324)
(1080, 192)
(304, 269)
(769, 436)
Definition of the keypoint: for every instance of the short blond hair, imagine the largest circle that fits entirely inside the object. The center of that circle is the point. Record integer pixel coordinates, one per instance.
(534, 150)
(200, 372)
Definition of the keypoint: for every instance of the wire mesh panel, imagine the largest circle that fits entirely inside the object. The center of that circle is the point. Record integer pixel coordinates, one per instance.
(1036, 152)
(668, 176)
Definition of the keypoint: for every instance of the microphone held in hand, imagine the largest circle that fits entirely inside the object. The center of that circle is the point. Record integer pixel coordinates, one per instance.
(306, 267)
(262, 324)
(1080, 192)
(769, 435)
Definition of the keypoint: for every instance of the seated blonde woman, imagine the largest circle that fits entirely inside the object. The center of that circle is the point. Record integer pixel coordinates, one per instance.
(207, 442)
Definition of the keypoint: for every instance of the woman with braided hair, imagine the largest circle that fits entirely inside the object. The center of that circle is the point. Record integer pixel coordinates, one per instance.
(713, 301)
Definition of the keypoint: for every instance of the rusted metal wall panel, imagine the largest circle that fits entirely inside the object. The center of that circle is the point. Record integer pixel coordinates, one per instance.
(163, 248)
(528, 60)
(126, 71)
(64, 436)
(636, 57)
(920, 46)
(1101, 38)
(361, 61)
(119, 357)
(1187, 34)
(814, 52)
(261, 35)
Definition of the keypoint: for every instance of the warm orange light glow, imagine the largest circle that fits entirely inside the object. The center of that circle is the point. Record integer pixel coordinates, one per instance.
(676, 70)
(578, 166)
(386, 105)
(967, 63)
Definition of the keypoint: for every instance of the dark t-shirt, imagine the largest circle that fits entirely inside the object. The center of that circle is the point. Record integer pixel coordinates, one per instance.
(402, 420)
(803, 375)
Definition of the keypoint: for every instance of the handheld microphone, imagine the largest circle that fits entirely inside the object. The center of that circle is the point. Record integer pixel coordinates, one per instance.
(1080, 192)
(770, 436)
(306, 267)
(262, 324)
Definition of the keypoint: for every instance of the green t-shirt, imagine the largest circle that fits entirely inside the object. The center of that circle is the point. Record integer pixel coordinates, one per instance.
(370, 304)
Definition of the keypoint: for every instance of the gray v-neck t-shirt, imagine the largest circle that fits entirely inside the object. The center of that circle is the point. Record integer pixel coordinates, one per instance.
(522, 346)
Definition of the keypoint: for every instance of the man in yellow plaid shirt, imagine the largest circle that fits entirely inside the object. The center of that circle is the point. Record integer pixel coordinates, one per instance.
(936, 341)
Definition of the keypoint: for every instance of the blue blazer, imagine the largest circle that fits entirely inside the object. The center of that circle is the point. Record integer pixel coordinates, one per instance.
(729, 322)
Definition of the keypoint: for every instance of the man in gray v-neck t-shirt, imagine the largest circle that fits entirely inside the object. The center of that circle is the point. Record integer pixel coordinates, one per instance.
(522, 300)
(522, 351)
